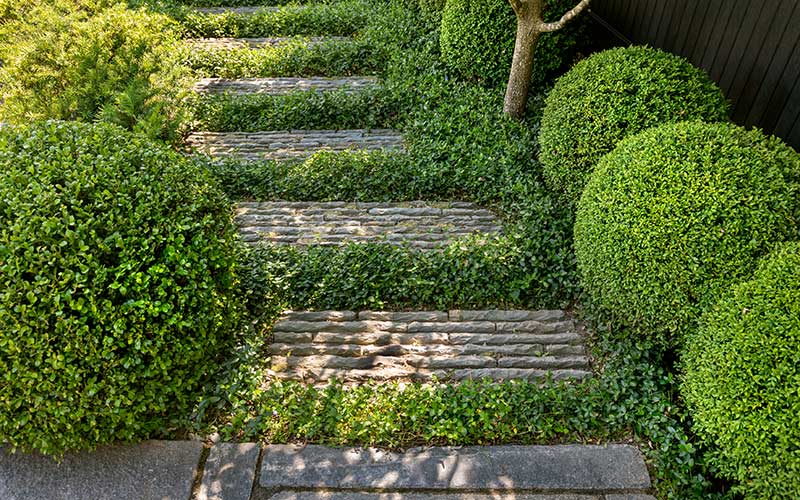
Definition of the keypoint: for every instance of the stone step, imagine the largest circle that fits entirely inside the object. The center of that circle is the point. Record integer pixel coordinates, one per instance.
(419, 224)
(295, 144)
(317, 346)
(282, 86)
(561, 472)
(260, 43)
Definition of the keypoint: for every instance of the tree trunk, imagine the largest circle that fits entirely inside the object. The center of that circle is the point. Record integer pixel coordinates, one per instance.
(519, 81)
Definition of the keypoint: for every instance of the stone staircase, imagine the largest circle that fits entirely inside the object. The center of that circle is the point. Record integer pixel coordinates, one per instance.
(356, 346)
(317, 346)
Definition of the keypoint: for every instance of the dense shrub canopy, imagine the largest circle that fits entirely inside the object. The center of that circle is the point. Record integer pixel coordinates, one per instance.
(742, 380)
(116, 273)
(612, 95)
(477, 40)
(92, 63)
(677, 213)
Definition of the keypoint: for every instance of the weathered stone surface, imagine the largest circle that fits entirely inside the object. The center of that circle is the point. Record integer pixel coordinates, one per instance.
(571, 468)
(629, 496)
(281, 86)
(156, 470)
(229, 472)
(533, 327)
(259, 43)
(315, 346)
(320, 316)
(253, 146)
(504, 316)
(418, 224)
(411, 495)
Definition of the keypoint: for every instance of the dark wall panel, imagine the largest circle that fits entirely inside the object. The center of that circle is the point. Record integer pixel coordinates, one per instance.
(751, 48)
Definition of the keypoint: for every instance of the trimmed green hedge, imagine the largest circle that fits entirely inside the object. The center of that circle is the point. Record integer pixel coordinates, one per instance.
(477, 40)
(742, 379)
(612, 95)
(676, 214)
(74, 63)
(117, 285)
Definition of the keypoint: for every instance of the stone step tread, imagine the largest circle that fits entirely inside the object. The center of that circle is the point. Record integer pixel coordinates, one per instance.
(281, 86)
(227, 43)
(317, 346)
(291, 145)
(416, 495)
(614, 469)
(417, 224)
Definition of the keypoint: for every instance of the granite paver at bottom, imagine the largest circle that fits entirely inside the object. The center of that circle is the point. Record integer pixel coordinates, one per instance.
(157, 470)
(349, 495)
(585, 469)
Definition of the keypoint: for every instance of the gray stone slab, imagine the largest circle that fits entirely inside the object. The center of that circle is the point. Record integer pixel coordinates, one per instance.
(355, 495)
(630, 496)
(567, 468)
(229, 472)
(157, 470)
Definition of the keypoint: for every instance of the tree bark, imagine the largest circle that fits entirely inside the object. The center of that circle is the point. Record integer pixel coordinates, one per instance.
(519, 81)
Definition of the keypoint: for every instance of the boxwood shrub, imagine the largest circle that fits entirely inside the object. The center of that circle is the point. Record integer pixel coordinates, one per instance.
(117, 267)
(612, 95)
(677, 213)
(742, 379)
(477, 40)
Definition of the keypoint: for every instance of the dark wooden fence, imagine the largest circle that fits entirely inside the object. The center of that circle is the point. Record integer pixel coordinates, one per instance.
(751, 48)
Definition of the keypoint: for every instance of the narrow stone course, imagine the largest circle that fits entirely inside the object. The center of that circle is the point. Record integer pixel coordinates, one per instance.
(315, 347)
(281, 86)
(291, 145)
(421, 225)
(228, 43)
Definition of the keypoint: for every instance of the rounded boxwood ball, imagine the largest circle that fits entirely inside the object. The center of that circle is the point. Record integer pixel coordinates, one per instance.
(742, 379)
(612, 95)
(676, 214)
(477, 40)
(116, 280)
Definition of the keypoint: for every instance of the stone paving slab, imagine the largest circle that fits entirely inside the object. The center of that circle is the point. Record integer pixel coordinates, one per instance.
(157, 470)
(531, 469)
(418, 224)
(282, 86)
(317, 346)
(260, 43)
(291, 145)
(229, 472)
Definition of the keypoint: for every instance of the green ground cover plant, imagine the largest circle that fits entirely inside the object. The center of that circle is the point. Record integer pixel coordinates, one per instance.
(676, 214)
(296, 57)
(117, 285)
(342, 18)
(369, 108)
(614, 94)
(62, 61)
(742, 379)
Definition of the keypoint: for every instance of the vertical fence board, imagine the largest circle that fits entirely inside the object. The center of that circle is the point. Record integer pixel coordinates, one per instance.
(751, 48)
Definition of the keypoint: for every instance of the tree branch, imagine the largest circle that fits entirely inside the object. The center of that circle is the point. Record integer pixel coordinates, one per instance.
(516, 5)
(548, 27)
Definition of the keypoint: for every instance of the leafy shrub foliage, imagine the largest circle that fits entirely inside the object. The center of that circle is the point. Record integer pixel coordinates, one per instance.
(115, 65)
(742, 379)
(612, 95)
(677, 213)
(116, 280)
(295, 58)
(477, 40)
(342, 18)
(367, 108)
